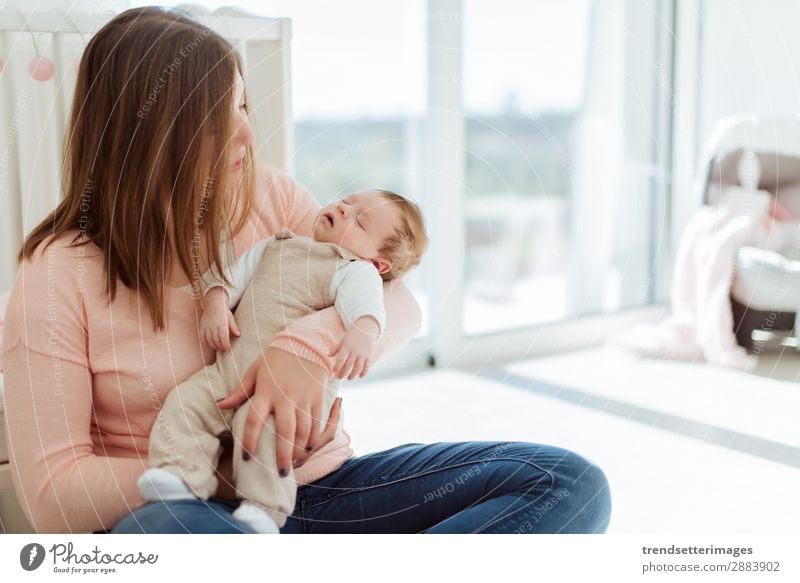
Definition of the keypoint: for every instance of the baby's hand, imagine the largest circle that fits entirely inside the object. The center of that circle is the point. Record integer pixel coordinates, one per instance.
(355, 353)
(217, 322)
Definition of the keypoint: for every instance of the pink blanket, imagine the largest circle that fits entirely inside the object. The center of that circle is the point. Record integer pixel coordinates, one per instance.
(701, 325)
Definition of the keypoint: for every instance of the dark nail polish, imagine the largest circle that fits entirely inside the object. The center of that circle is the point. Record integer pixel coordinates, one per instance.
(245, 455)
(283, 472)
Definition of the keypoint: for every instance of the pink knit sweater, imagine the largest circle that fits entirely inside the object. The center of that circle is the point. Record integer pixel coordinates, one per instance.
(84, 379)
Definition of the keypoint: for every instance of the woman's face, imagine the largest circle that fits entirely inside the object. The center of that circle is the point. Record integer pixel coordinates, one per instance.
(242, 133)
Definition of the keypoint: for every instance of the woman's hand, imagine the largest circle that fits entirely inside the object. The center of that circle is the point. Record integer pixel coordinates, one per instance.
(300, 455)
(292, 389)
(227, 490)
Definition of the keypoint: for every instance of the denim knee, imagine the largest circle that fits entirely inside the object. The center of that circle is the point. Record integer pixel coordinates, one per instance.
(180, 517)
(563, 478)
(588, 489)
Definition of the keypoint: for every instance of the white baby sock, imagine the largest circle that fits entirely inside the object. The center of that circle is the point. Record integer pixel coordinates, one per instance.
(157, 484)
(256, 517)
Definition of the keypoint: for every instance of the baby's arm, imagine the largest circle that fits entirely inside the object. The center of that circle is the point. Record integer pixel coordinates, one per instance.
(357, 351)
(217, 322)
(358, 289)
(239, 273)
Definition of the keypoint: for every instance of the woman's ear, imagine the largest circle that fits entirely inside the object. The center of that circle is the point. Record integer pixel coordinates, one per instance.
(381, 264)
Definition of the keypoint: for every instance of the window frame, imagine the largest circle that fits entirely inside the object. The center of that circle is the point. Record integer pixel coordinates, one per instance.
(445, 345)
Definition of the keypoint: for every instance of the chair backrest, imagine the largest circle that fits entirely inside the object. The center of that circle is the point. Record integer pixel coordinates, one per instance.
(748, 148)
(33, 114)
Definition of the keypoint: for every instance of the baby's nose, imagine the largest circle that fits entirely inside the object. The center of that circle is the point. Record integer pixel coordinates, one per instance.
(342, 208)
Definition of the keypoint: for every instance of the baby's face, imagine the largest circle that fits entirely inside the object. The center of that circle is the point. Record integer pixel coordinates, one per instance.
(360, 222)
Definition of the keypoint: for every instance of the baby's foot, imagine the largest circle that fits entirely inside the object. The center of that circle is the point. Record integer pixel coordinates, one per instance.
(157, 484)
(256, 518)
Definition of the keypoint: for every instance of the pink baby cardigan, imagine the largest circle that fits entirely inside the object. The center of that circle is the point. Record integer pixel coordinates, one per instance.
(84, 379)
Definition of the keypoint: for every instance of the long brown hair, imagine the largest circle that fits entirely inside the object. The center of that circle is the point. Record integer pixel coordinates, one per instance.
(149, 130)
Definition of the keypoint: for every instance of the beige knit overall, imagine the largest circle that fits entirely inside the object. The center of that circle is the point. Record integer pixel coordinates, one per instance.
(292, 280)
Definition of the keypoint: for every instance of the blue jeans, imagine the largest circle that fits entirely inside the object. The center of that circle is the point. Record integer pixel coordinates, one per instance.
(469, 487)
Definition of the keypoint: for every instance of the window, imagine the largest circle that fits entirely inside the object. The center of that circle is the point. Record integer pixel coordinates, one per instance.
(535, 134)
(559, 125)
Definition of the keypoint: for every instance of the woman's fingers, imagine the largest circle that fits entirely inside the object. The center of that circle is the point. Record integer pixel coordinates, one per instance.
(240, 392)
(281, 379)
(285, 420)
(333, 421)
(257, 415)
(325, 437)
(302, 427)
(314, 433)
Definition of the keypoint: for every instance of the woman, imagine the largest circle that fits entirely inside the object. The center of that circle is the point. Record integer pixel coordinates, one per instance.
(158, 167)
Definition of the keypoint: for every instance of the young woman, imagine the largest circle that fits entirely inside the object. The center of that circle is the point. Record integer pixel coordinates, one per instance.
(158, 168)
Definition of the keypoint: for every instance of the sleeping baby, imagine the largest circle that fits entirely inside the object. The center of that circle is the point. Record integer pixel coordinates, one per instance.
(357, 243)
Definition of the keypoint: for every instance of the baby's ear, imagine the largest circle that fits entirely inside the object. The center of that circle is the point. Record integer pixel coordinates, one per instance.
(381, 264)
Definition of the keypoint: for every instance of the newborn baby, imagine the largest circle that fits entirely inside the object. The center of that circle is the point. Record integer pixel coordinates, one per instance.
(358, 243)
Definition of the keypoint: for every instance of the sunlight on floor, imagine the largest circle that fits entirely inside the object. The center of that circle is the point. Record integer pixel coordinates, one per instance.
(662, 480)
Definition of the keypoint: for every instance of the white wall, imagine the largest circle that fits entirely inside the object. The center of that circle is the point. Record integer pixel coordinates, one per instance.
(71, 5)
(749, 59)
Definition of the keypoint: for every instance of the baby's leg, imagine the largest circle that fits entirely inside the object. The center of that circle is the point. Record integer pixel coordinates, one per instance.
(257, 480)
(184, 439)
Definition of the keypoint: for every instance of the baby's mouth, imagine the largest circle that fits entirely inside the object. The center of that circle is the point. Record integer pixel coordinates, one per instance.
(329, 218)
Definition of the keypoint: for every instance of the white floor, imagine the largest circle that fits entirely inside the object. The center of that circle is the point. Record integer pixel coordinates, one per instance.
(661, 481)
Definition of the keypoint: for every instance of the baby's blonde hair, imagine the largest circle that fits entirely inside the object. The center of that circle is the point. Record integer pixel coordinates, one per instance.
(408, 243)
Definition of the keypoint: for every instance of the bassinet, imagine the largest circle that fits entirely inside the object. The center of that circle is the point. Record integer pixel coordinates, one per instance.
(761, 154)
